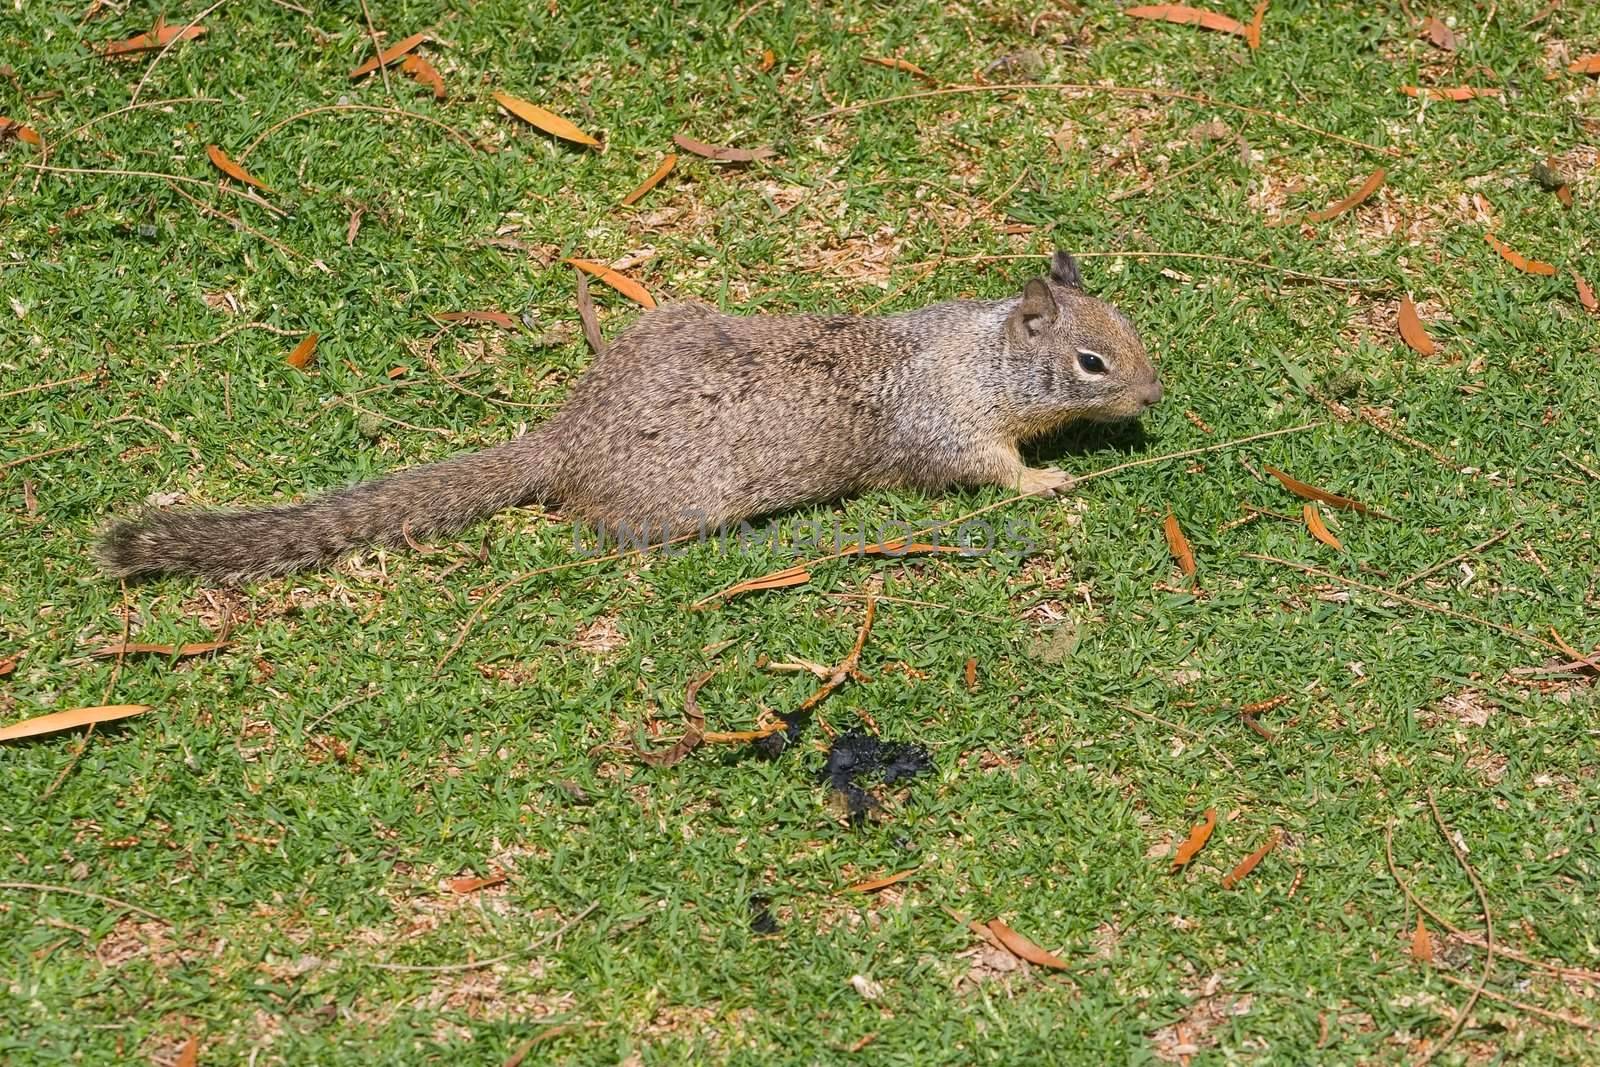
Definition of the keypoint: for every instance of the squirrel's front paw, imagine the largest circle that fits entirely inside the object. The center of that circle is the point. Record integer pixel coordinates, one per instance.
(1044, 481)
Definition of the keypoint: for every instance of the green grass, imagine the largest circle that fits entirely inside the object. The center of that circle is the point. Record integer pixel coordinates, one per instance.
(293, 806)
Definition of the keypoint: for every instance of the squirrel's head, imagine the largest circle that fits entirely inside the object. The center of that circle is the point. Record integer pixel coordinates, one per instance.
(1094, 364)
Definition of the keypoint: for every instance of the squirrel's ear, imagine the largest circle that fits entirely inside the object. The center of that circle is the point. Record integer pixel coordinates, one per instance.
(1064, 270)
(1036, 311)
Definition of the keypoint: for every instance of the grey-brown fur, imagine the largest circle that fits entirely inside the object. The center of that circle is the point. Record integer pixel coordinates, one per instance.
(693, 419)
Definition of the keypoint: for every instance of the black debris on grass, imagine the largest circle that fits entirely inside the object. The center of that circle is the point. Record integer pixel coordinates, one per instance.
(857, 757)
(761, 920)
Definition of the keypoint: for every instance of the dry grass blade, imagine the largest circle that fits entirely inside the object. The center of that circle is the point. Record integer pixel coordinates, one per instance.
(618, 281)
(1184, 15)
(135, 648)
(894, 63)
(1313, 518)
(1311, 492)
(1248, 864)
(548, 121)
(472, 885)
(876, 884)
(1488, 935)
(1411, 329)
(1367, 188)
(1178, 545)
(652, 181)
(388, 55)
(586, 315)
(1196, 840)
(70, 719)
(692, 737)
(1518, 260)
(302, 354)
(720, 153)
(1023, 948)
(487, 318)
(1454, 92)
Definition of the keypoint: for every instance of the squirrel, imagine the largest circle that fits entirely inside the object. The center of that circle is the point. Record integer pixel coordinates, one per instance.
(693, 419)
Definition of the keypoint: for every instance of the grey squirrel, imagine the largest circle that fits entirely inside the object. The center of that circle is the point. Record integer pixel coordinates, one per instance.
(693, 419)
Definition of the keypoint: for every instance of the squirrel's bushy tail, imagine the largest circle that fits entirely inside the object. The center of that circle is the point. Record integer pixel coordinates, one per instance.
(425, 502)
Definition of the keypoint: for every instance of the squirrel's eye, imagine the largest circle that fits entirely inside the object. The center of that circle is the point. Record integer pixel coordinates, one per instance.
(1091, 362)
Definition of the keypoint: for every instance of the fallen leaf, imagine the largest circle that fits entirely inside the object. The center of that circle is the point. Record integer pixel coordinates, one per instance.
(1589, 64)
(1436, 33)
(620, 282)
(1518, 260)
(768, 58)
(69, 720)
(1311, 492)
(692, 736)
(1368, 187)
(1564, 194)
(900, 547)
(971, 673)
(160, 37)
(1319, 529)
(398, 372)
(1454, 92)
(547, 121)
(492, 318)
(894, 63)
(1421, 943)
(1178, 545)
(388, 55)
(1190, 16)
(472, 885)
(1252, 35)
(134, 648)
(13, 128)
(220, 160)
(586, 315)
(421, 70)
(303, 352)
(796, 575)
(721, 154)
(1411, 330)
(9, 664)
(652, 181)
(1248, 864)
(1196, 840)
(1021, 947)
(189, 1056)
(354, 228)
(879, 883)
(1585, 293)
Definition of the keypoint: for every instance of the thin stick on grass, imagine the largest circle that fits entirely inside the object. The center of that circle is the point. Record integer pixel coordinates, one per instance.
(281, 123)
(231, 330)
(234, 221)
(1473, 551)
(179, 36)
(489, 961)
(1522, 1005)
(377, 51)
(119, 172)
(105, 697)
(1209, 257)
(103, 116)
(43, 887)
(42, 455)
(84, 377)
(1488, 936)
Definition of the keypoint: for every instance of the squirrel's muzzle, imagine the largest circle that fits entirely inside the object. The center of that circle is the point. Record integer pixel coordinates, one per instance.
(1150, 395)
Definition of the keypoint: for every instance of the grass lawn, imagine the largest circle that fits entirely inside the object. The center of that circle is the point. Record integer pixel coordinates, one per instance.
(263, 862)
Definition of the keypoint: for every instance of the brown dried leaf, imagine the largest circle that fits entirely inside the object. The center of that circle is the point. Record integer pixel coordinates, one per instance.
(1023, 948)
(1454, 92)
(1585, 293)
(1252, 35)
(547, 121)
(895, 63)
(491, 318)
(879, 883)
(1564, 194)
(1311, 492)
(421, 70)
(1196, 840)
(1421, 942)
(220, 160)
(1178, 545)
(134, 648)
(1190, 16)
(388, 55)
(472, 885)
(768, 58)
(1368, 187)
(796, 575)
(160, 37)
(70, 719)
(22, 132)
(1518, 260)
(652, 181)
(1411, 330)
(971, 675)
(620, 282)
(1436, 33)
(719, 153)
(1248, 864)
(586, 315)
(354, 228)
(189, 1055)
(303, 353)
(692, 736)
(9, 663)
(1319, 529)
(1589, 64)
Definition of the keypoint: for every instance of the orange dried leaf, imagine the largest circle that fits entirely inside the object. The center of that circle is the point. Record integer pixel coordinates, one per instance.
(768, 58)
(1564, 194)
(421, 70)
(220, 160)
(1518, 260)
(398, 372)
(1311, 492)
(547, 121)
(1436, 33)
(1411, 330)
(388, 55)
(620, 282)
(797, 575)
(1021, 947)
(472, 885)
(971, 674)
(303, 352)
(9, 664)
(879, 883)
(13, 128)
(652, 181)
(1178, 545)
(132, 648)
(895, 63)
(189, 1055)
(901, 547)
(1190, 16)
(491, 318)
(1196, 840)
(1589, 64)
(160, 37)
(70, 720)
(1368, 187)
(1453, 92)
(1585, 293)
(1319, 529)
(1421, 942)
(1253, 34)
(1248, 864)
(720, 153)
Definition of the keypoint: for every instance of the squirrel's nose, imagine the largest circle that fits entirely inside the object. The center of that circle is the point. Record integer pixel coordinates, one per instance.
(1152, 394)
